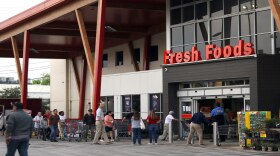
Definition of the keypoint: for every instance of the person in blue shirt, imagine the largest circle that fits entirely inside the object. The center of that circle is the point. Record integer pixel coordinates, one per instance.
(195, 126)
(217, 115)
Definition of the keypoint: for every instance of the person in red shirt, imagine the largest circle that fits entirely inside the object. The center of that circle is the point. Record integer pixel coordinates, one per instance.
(153, 121)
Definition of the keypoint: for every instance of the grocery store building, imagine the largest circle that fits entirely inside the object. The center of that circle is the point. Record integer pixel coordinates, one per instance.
(152, 54)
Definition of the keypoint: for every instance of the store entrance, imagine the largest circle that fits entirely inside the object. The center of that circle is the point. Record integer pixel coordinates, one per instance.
(231, 106)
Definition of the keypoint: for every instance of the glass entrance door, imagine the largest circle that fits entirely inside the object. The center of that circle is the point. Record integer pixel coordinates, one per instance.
(186, 111)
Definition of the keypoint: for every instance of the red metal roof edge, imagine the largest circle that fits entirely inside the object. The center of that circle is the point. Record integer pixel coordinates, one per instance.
(31, 12)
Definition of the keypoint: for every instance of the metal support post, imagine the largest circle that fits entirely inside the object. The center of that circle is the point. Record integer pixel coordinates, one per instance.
(215, 134)
(170, 133)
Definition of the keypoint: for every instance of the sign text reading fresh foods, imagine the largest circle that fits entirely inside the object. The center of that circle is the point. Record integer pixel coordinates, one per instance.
(211, 52)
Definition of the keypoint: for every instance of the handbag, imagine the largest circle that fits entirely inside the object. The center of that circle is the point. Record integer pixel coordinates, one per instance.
(142, 125)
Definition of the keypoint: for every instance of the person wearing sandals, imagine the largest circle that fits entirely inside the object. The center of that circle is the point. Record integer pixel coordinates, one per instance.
(153, 121)
(136, 128)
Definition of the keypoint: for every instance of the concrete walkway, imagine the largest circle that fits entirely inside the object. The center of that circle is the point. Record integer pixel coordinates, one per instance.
(125, 148)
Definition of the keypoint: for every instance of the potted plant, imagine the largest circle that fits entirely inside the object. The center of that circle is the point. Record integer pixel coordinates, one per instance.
(278, 146)
(264, 146)
(256, 146)
(269, 146)
(247, 132)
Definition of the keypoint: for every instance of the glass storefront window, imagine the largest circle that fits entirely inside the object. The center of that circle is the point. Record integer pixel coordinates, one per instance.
(155, 102)
(175, 3)
(262, 3)
(201, 32)
(187, 1)
(188, 47)
(129, 103)
(235, 82)
(216, 8)
(189, 34)
(188, 13)
(176, 36)
(175, 16)
(217, 29)
(109, 103)
(248, 39)
(201, 10)
(231, 6)
(246, 5)
(263, 21)
(199, 84)
(201, 48)
(177, 49)
(247, 24)
(231, 27)
(277, 43)
(218, 43)
(264, 44)
(232, 41)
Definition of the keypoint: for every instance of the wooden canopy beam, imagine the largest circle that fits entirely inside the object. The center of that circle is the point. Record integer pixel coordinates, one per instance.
(132, 55)
(86, 45)
(77, 77)
(83, 89)
(65, 32)
(275, 11)
(147, 45)
(16, 55)
(99, 47)
(26, 50)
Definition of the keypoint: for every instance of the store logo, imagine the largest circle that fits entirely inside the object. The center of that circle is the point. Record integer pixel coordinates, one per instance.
(212, 51)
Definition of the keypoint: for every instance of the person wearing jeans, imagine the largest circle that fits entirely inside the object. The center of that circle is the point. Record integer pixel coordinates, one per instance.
(153, 121)
(53, 122)
(136, 128)
(19, 126)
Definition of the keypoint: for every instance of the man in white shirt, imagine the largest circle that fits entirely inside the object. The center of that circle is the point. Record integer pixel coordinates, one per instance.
(100, 127)
(38, 118)
(168, 119)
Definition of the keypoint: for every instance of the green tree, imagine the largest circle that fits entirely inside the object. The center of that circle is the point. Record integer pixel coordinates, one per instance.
(44, 80)
(10, 93)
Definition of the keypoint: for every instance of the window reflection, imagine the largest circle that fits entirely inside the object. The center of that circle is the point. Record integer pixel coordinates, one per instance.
(231, 27)
(216, 8)
(189, 34)
(201, 10)
(246, 5)
(264, 44)
(231, 6)
(217, 29)
(201, 32)
(263, 22)
(247, 24)
(176, 36)
(188, 13)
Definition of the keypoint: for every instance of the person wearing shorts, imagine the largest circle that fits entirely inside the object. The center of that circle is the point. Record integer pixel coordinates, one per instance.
(108, 121)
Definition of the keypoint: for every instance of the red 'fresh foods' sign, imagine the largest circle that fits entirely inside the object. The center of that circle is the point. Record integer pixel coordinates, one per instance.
(211, 52)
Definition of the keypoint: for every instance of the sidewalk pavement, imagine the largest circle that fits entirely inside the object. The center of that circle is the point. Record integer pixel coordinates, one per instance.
(125, 148)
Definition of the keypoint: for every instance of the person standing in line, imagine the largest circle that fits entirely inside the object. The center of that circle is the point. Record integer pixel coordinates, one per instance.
(53, 123)
(168, 119)
(136, 127)
(89, 123)
(195, 126)
(19, 127)
(217, 115)
(62, 125)
(2, 123)
(37, 122)
(100, 127)
(47, 132)
(153, 121)
(108, 121)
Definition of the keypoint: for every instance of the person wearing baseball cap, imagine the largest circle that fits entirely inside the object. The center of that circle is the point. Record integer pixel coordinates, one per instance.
(89, 123)
(168, 119)
(19, 127)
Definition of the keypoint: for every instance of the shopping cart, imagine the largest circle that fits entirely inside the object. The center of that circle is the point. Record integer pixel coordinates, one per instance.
(122, 130)
(74, 130)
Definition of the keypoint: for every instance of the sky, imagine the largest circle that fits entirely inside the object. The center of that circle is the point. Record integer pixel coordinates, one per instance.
(9, 8)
